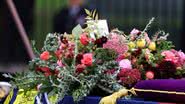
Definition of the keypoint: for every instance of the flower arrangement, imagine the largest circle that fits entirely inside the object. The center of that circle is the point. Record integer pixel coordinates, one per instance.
(74, 64)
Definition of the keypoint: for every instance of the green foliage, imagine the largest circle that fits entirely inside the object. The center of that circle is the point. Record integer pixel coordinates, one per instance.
(164, 45)
(26, 80)
(100, 54)
(68, 66)
(92, 15)
(51, 42)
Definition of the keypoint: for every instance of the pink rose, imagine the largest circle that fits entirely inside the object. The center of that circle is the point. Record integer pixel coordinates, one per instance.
(181, 55)
(169, 56)
(87, 59)
(149, 75)
(84, 39)
(181, 58)
(125, 64)
(45, 55)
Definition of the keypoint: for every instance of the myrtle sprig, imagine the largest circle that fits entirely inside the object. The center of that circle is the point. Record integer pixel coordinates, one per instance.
(91, 15)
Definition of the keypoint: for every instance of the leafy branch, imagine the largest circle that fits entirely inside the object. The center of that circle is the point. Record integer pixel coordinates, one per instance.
(91, 15)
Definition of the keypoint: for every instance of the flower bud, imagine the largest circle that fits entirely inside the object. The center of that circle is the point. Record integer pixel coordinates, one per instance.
(131, 45)
(141, 43)
(152, 46)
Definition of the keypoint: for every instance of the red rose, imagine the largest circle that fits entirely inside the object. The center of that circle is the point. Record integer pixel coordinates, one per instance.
(47, 73)
(45, 55)
(87, 59)
(80, 68)
(44, 69)
(56, 72)
(84, 39)
(79, 58)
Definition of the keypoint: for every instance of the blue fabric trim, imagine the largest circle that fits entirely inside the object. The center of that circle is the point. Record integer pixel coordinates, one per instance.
(44, 98)
(15, 91)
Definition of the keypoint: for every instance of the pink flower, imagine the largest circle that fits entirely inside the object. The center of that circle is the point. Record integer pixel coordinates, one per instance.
(59, 62)
(45, 55)
(120, 57)
(169, 56)
(87, 59)
(69, 54)
(147, 38)
(135, 31)
(125, 64)
(58, 54)
(181, 55)
(62, 46)
(84, 39)
(147, 54)
(149, 75)
(116, 43)
(39, 86)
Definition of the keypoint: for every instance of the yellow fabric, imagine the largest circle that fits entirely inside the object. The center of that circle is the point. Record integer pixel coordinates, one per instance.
(26, 98)
(8, 98)
(53, 99)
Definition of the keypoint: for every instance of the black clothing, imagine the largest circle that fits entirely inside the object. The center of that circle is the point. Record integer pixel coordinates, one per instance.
(66, 20)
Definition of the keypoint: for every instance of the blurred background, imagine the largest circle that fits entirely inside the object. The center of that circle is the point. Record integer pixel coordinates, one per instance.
(41, 17)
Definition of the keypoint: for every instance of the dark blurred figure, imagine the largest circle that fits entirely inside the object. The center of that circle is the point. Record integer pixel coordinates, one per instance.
(183, 32)
(12, 49)
(70, 16)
